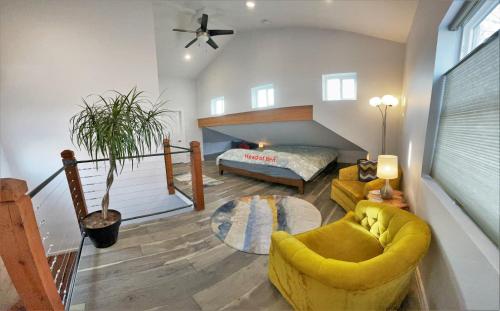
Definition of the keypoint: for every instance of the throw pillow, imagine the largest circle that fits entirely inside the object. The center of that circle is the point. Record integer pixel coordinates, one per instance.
(367, 170)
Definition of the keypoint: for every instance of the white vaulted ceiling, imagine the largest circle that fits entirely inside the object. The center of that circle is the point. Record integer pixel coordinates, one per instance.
(385, 19)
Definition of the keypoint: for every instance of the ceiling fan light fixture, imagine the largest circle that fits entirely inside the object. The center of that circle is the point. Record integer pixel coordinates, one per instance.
(205, 34)
(204, 37)
(250, 4)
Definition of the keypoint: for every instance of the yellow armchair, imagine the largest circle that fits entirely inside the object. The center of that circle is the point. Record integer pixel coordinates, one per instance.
(347, 190)
(364, 261)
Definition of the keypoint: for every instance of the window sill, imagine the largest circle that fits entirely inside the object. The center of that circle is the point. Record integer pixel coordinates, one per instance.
(483, 243)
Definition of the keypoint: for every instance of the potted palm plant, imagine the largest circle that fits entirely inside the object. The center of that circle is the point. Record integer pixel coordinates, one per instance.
(117, 127)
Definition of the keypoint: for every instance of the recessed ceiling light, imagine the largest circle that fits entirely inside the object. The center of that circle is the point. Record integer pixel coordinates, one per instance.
(187, 57)
(250, 4)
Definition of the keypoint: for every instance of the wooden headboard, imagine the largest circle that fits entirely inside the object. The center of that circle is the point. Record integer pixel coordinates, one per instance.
(293, 113)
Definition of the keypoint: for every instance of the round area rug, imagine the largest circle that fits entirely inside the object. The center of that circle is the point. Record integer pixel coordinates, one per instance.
(246, 224)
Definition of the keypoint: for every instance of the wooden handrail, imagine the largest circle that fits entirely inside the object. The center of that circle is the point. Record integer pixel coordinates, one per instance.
(197, 176)
(169, 170)
(22, 250)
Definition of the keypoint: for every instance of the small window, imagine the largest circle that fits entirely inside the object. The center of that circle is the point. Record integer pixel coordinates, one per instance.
(340, 86)
(217, 105)
(263, 96)
(482, 25)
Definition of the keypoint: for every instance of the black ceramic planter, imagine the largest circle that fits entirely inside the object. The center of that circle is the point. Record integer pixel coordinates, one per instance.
(106, 236)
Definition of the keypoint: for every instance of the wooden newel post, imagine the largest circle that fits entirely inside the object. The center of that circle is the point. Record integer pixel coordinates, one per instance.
(197, 176)
(22, 250)
(74, 183)
(169, 170)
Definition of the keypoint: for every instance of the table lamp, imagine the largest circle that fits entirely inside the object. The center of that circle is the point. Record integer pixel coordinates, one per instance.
(387, 168)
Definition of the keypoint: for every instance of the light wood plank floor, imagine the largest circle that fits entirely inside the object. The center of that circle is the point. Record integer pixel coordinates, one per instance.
(176, 263)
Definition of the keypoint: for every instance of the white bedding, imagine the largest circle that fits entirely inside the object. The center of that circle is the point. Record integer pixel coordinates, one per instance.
(305, 161)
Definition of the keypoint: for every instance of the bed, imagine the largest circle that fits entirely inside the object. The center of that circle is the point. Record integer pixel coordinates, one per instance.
(287, 165)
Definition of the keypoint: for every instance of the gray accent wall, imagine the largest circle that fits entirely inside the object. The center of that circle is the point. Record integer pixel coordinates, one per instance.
(309, 133)
(215, 142)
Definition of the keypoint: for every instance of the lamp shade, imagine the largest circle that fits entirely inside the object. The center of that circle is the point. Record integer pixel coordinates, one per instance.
(375, 101)
(390, 100)
(387, 166)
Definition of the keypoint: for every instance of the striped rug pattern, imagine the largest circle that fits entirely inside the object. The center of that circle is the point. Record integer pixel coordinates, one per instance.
(247, 223)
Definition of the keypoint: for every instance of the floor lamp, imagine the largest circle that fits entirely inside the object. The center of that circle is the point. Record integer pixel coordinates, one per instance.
(387, 101)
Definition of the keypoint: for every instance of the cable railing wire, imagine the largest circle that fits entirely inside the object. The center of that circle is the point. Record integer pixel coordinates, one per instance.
(42, 185)
(158, 213)
(135, 157)
(69, 293)
(60, 241)
(63, 257)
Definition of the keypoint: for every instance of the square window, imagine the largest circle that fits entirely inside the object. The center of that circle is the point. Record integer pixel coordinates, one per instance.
(487, 27)
(339, 86)
(263, 96)
(349, 89)
(217, 105)
(333, 89)
(482, 25)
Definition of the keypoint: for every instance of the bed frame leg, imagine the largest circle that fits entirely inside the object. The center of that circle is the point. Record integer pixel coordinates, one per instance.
(301, 187)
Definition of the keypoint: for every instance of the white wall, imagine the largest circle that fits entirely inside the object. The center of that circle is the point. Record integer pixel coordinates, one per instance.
(461, 268)
(180, 94)
(52, 54)
(4, 164)
(293, 59)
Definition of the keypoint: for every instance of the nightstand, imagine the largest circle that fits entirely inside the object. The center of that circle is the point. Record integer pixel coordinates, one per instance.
(397, 200)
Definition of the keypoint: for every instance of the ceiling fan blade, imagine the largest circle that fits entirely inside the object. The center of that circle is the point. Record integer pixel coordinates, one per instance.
(220, 32)
(212, 43)
(190, 43)
(183, 30)
(204, 22)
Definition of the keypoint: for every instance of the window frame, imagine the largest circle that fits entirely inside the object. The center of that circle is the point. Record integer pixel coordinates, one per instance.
(476, 233)
(431, 192)
(468, 29)
(340, 76)
(254, 93)
(213, 106)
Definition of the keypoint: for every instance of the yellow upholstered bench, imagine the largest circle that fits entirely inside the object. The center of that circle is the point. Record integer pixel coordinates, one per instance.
(347, 190)
(365, 261)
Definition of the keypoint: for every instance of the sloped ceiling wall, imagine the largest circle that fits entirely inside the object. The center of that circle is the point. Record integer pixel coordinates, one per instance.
(308, 133)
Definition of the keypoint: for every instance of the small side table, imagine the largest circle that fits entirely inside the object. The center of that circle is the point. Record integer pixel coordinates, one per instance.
(397, 200)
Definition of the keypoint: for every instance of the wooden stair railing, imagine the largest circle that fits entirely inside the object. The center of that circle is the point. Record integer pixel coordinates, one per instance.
(22, 250)
(198, 196)
(21, 247)
(197, 176)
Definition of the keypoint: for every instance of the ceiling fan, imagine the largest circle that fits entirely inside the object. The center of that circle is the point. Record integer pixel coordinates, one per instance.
(205, 34)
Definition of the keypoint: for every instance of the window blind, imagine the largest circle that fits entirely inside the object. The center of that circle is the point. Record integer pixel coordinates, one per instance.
(466, 154)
